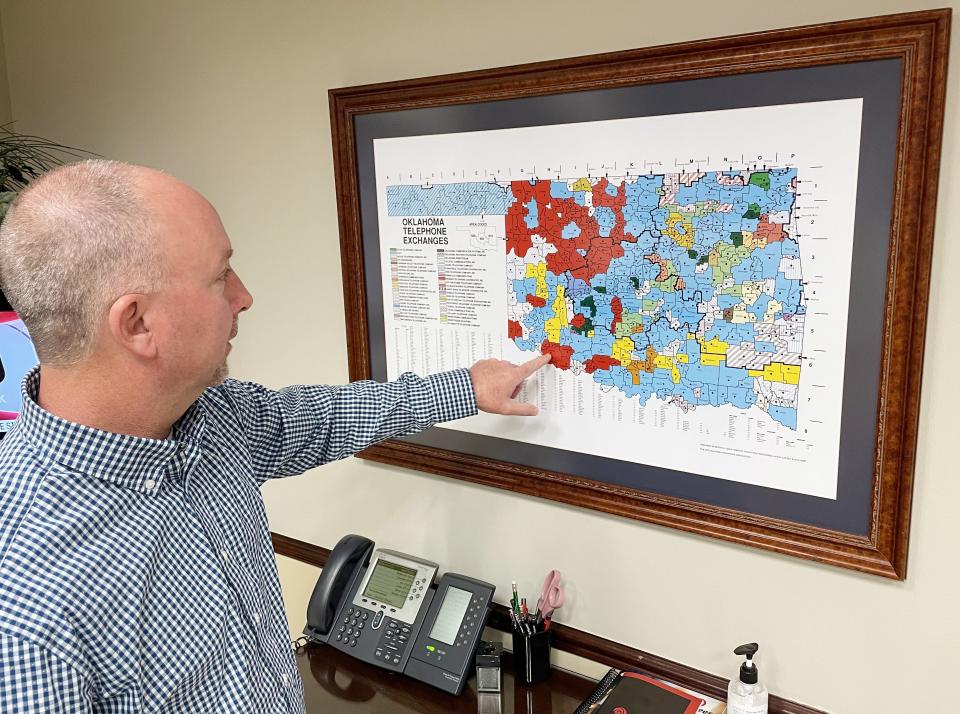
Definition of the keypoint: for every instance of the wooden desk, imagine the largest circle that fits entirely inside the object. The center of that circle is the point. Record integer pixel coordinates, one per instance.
(334, 682)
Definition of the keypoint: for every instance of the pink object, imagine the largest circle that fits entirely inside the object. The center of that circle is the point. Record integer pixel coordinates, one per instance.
(551, 595)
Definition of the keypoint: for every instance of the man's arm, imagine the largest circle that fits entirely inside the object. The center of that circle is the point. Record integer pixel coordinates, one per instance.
(297, 428)
(33, 679)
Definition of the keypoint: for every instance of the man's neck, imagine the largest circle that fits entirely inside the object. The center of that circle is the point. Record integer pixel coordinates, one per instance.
(98, 398)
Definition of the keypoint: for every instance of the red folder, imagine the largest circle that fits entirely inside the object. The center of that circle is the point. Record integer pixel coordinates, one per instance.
(638, 694)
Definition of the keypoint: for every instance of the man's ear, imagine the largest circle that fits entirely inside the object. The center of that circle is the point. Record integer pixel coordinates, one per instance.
(130, 327)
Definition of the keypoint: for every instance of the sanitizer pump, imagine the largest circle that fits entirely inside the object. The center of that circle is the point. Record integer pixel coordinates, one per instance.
(746, 695)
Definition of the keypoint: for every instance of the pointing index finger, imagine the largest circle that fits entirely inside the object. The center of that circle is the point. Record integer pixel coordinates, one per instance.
(528, 368)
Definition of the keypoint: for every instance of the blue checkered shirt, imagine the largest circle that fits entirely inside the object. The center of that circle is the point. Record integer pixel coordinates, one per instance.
(138, 575)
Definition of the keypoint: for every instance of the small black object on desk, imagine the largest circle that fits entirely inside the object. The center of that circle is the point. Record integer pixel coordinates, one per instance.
(489, 655)
(531, 655)
(531, 645)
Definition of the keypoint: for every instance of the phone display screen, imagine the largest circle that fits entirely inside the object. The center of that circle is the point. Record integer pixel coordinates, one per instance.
(390, 583)
(451, 613)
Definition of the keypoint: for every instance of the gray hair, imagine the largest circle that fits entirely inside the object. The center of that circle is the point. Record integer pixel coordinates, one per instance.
(74, 241)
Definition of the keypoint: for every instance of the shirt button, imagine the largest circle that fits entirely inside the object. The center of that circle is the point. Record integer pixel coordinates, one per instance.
(149, 484)
(256, 617)
(285, 678)
(225, 555)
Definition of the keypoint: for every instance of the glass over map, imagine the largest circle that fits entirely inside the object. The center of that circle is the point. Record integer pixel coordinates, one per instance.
(688, 275)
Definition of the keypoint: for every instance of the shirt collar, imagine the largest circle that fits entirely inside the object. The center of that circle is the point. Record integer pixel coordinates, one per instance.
(130, 461)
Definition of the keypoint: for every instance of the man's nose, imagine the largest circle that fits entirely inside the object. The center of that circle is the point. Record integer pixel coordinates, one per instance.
(243, 300)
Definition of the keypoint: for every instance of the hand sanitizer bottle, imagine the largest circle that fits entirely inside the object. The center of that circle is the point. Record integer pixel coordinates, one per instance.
(746, 695)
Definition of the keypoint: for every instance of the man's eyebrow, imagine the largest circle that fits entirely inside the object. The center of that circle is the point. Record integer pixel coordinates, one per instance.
(224, 263)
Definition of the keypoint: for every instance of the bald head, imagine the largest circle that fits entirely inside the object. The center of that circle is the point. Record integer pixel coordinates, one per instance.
(75, 240)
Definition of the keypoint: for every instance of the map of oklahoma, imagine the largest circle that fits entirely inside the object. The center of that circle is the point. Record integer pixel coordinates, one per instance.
(684, 286)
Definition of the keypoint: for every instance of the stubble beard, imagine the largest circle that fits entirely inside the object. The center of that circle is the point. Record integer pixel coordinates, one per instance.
(223, 371)
(220, 376)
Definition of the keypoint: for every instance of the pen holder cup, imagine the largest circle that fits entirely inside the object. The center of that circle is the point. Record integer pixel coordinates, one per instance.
(531, 657)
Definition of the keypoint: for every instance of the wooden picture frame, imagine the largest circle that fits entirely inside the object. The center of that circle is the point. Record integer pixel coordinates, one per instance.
(882, 438)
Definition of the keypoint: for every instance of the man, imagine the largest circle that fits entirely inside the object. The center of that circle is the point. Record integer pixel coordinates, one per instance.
(136, 569)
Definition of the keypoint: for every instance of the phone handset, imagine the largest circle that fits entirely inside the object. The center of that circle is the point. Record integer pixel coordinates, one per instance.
(337, 580)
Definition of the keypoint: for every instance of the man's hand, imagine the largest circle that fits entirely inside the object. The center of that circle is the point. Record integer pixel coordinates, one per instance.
(497, 384)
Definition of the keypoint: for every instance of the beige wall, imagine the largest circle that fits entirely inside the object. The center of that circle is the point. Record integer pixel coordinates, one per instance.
(231, 96)
(5, 114)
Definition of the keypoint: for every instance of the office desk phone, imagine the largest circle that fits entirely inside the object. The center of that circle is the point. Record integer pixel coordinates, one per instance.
(384, 608)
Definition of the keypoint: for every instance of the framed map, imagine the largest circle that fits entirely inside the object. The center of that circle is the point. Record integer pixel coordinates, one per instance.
(718, 243)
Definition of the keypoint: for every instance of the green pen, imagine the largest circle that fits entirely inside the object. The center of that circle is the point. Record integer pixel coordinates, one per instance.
(514, 599)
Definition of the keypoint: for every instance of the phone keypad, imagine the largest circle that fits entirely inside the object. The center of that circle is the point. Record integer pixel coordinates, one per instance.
(351, 627)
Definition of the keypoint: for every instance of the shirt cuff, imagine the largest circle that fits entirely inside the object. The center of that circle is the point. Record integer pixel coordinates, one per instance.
(453, 395)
